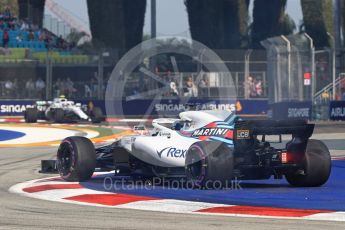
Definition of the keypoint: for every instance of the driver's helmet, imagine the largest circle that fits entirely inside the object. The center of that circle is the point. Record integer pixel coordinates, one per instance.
(177, 125)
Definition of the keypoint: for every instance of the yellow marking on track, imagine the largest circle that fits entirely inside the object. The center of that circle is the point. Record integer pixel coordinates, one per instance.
(57, 142)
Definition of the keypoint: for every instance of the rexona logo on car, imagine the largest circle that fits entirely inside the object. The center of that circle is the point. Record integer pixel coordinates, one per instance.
(243, 134)
(210, 132)
(172, 152)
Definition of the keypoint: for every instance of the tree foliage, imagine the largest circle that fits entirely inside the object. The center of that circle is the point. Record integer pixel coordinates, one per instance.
(76, 37)
(342, 10)
(236, 23)
(317, 16)
(38, 12)
(286, 25)
(218, 24)
(163, 59)
(116, 23)
(107, 23)
(134, 21)
(268, 16)
(33, 9)
(11, 4)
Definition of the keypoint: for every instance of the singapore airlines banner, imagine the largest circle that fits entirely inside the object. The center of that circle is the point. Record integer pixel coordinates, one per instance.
(173, 107)
(337, 110)
(165, 107)
(14, 108)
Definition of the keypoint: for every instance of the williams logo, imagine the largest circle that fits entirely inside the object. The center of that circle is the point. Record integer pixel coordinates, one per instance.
(210, 132)
(172, 152)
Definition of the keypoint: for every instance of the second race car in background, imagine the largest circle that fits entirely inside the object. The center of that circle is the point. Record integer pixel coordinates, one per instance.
(62, 110)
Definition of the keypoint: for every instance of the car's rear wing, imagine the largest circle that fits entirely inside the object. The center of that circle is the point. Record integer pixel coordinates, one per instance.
(247, 132)
(275, 127)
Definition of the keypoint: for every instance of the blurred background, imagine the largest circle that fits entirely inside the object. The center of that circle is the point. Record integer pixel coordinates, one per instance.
(286, 57)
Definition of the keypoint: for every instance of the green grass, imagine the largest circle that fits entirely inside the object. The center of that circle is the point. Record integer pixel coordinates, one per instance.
(18, 55)
(105, 131)
(63, 59)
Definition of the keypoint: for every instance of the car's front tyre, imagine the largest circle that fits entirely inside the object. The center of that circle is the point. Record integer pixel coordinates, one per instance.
(31, 115)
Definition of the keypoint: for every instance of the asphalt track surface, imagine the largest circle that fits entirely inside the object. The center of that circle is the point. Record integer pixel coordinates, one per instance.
(18, 212)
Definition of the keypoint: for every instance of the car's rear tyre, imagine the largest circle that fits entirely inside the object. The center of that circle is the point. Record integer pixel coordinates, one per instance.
(31, 115)
(76, 159)
(209, 165)
(96, 115)
(317, 166)
(59, 115)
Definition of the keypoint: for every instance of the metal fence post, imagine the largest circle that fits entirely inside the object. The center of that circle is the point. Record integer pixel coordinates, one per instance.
(337, 42)
(246, 73)
(288, 43)
(334, 73)
(153, 19)
(313, 78)
(278, 88)
(100, 76)
(333, 64)
(49, 77)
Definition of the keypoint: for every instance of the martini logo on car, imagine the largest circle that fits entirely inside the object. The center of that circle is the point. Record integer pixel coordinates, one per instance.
(172, 152)
(210, 132)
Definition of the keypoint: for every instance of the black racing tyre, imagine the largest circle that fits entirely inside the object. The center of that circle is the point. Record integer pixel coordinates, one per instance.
(76, 159)
(31, 115)
(96, 115)
(317, 166)
(59, 115)
(50, 115)
(209, 165)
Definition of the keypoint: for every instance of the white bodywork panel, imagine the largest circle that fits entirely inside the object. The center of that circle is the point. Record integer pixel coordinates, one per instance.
(62, 103)
(168, 147)
(201, 118)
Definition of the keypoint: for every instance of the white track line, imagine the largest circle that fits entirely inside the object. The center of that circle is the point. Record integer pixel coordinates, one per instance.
(160, 205)
(38, 134)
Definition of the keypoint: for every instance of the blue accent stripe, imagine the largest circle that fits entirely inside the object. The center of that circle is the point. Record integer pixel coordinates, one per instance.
(226, 126)
(222, 140)
(230, 146)
(231, 118)
(221, 123)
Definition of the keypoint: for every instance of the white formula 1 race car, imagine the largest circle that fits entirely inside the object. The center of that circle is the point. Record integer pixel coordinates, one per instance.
(204, 147)
(62, 110)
